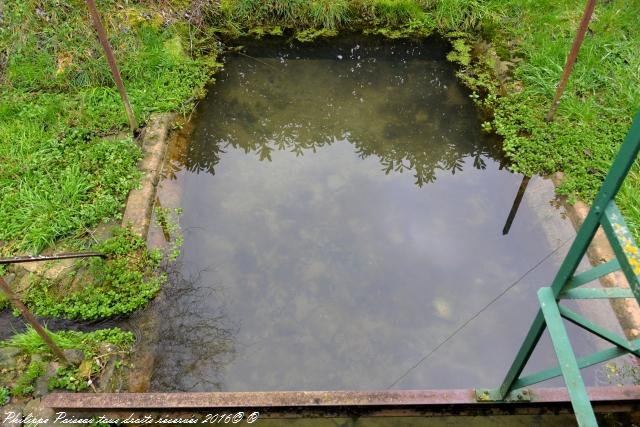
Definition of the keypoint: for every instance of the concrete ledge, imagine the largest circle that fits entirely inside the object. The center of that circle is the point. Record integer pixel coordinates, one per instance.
(139, 206)
(137, 214)
(336, 403)
(627, 310)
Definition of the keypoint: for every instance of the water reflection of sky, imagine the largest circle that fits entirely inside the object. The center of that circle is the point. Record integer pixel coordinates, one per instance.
(333, 269)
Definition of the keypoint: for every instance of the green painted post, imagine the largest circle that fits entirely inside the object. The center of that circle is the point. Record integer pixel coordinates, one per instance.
(597, 293)
(621, 240)
(567, 359)
(593, 274)
(583, 362)
(601, 332)
(526, 349)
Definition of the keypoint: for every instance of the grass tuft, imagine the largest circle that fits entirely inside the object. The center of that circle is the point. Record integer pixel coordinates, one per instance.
(329, 13)
(30, 342)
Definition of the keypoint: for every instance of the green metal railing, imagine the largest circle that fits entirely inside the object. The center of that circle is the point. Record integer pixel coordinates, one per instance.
(567, 285)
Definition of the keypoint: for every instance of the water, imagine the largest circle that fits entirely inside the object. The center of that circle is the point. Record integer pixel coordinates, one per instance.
(343, 214)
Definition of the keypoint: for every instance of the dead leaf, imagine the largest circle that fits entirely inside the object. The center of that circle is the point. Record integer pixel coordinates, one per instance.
(85, 369)
(64, 60)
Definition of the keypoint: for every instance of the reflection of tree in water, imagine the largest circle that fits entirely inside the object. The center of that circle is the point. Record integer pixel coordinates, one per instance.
(412, 115)
(195, 341)
(423, 162)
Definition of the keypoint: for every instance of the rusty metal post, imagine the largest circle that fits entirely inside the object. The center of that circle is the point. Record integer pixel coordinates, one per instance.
(571, 59)
(32, 321)
(102, 35)
(35, 258)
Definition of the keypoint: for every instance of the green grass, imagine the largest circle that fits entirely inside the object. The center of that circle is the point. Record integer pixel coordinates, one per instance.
(59, 176)
(289, 13)
(239, 17)
(602, 96)
(329, 13)
(397, 12)
(89, 342)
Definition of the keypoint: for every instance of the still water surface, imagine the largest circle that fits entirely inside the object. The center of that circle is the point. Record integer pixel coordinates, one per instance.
(343, 214)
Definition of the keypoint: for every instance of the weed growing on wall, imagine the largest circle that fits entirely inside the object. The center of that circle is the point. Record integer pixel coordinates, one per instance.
(4, 396)
(25, 383)
(167, 219)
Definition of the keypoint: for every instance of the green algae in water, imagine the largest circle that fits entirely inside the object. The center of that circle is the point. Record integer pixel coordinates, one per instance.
(343, 214)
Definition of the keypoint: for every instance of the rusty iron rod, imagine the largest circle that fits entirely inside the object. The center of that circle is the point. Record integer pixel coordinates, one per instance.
(571, 59)
(36, 258)
(32, 321)
(102, 36)
(285, 404)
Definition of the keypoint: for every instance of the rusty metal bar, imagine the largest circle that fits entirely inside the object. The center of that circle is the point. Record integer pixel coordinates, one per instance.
(36, 258)
(32, 321)
(331, 403)
(571, 59)
(102, 36)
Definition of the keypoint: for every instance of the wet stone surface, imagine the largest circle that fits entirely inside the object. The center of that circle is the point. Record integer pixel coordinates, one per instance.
(343, 214)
